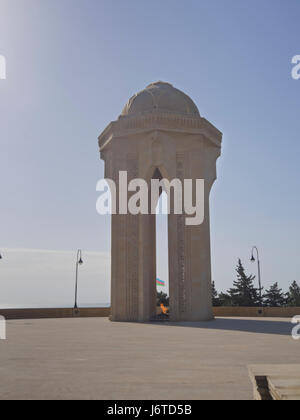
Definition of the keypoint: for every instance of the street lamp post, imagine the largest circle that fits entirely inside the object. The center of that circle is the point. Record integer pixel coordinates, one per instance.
(258, 269)
(78, 262)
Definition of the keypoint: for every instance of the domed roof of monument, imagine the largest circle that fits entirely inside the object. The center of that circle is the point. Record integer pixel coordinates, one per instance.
(160, 96)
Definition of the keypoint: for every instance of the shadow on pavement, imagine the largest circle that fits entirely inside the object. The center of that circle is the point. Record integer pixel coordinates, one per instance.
(243, 325)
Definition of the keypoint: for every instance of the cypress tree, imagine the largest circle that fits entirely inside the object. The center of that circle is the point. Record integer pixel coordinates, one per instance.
(274, 297)
(293, 295)
(215, 296)
(243, 292)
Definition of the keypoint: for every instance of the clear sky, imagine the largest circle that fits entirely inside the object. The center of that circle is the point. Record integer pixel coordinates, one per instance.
(73, 64)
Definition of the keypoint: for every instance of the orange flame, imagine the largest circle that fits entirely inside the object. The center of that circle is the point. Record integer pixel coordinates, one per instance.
(164, 309)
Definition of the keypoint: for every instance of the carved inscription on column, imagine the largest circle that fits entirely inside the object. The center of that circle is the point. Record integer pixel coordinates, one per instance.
(183, 248)
(132, 233)
(118, 262)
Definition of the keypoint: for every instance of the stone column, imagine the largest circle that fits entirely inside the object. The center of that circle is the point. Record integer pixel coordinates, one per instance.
(125, 253)
(147, 268)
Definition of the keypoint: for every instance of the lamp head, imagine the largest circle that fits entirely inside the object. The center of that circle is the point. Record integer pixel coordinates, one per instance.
(80, 262)
(252, 258)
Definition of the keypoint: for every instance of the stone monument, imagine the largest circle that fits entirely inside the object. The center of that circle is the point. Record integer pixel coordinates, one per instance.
(160, 134)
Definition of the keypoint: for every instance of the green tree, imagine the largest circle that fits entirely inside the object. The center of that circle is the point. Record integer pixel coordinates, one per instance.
(274, 297)
(225, 299)
(243, 292)
(215, 296)
(293, 295)
(162, 298)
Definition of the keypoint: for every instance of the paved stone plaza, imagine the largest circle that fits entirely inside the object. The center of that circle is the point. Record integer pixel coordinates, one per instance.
(95, 359)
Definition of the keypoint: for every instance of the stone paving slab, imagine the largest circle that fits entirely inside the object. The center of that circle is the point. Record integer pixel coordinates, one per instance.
(93, 358)
(283, 380)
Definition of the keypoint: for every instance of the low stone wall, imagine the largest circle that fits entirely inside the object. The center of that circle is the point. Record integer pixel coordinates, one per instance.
(223, 311)
(39, 313)
(230, 311)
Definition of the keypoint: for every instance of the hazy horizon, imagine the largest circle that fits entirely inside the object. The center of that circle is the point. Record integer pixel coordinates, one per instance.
(35, 278)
